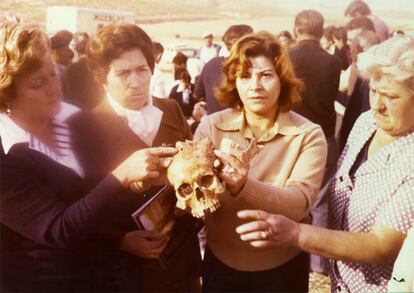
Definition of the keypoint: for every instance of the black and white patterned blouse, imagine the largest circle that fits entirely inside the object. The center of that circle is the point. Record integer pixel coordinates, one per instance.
(380, 192)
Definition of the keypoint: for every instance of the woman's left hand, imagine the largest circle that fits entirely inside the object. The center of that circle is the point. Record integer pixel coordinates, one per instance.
(268, 230)
(234, 172)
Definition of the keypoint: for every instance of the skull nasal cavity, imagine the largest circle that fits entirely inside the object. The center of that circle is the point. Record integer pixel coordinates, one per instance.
(199, 194)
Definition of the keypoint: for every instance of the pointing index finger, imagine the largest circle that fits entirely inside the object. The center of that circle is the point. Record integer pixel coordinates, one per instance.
(162, 151)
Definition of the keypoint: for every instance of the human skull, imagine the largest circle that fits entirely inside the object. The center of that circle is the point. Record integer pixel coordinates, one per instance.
(193, 174)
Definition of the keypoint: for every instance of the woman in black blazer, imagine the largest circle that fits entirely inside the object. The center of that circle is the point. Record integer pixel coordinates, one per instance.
(121, 57)
(54, 204)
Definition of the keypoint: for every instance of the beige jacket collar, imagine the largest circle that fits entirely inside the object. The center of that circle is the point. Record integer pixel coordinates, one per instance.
(235, 121)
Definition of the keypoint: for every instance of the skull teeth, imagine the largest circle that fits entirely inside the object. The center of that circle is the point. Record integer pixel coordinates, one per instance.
(211, 208)
(214, 207)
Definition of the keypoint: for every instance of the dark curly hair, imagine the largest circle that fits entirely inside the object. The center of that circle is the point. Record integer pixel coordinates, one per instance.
(111, 41)
(357, 8)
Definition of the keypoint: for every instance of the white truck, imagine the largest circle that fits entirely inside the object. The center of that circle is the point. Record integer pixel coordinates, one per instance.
(79, 19)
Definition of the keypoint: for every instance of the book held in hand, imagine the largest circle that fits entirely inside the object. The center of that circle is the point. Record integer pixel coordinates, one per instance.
(158, 213)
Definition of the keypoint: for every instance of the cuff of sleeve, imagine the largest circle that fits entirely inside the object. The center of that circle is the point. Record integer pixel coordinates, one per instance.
(256, 192)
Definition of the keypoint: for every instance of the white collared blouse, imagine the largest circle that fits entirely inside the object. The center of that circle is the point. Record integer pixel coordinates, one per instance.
(11, 134)
(381, 192)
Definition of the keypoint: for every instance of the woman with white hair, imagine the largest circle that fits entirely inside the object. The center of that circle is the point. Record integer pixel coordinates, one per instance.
(371, 196)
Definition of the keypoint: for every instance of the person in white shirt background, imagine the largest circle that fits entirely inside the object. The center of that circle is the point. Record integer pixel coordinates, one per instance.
(209, 49)
(157, 85)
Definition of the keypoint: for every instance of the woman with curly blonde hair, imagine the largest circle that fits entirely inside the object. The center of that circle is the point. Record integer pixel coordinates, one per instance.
(54, 206)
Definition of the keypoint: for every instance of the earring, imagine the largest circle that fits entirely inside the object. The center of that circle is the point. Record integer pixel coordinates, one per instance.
(8, 111)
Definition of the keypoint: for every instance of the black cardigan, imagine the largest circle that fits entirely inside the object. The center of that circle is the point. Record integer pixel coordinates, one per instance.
(320, 73)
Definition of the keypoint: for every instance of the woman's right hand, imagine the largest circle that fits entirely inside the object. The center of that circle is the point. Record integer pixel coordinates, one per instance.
(144, 165)
(266, 230)
(234, 173)
(145, 244)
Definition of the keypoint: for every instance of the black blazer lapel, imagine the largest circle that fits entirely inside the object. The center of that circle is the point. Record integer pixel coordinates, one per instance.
(173, 126)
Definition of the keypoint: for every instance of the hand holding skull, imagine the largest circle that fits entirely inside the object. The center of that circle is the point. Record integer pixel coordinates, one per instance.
(236, 163)
(194, 176)
(234, 173)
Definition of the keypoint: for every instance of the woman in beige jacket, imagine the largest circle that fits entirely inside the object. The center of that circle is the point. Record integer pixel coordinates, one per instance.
(283, 177)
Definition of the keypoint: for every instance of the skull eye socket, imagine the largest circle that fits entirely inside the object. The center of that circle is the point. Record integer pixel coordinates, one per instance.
(185, 189)
(207, 180)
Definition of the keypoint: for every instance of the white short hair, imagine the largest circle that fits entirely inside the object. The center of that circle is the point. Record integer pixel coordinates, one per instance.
(393, 58)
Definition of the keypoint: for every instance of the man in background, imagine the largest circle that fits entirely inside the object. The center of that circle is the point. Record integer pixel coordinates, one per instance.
(211, 74)
(79, 85)
(208, 50)
(61, 53)
(359, 8)
(320, 73)
(157, 86)
(357, 25)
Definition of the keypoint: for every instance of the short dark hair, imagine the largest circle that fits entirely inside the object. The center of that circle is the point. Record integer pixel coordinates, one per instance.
(81, 46)
(235, 32)
(361, 22)
(180, 59)
(309, 22)
(340, 33)
(185, 76)
(254, 45)
(328, 32)
(158, 48)
(61, 39)
(285, 34)
(357, 7)
(111, 41)
(178, 71)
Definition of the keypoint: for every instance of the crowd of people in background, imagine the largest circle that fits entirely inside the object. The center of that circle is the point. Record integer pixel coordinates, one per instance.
(84, 124)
